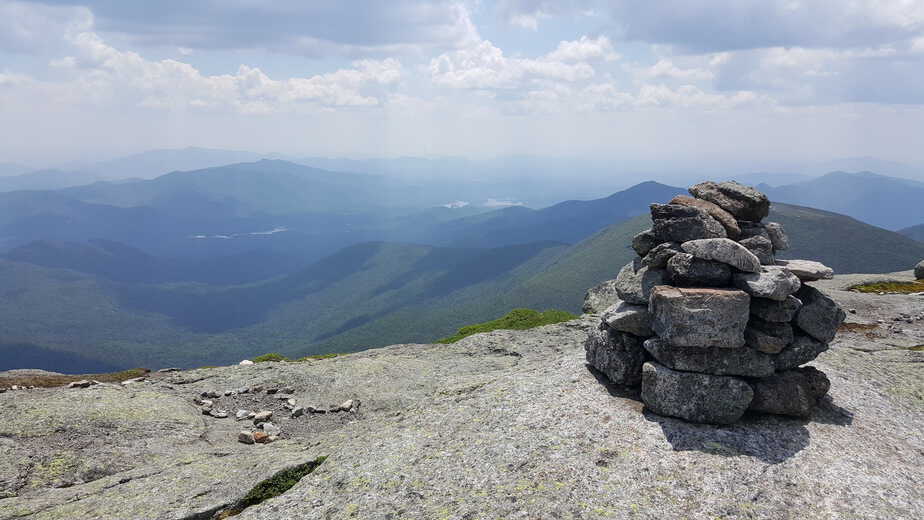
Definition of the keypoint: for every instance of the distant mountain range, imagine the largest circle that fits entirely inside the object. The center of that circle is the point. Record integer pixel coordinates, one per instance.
(388, 277)
(887, 202)
(915, 232)
(46, 180)
(10, 169)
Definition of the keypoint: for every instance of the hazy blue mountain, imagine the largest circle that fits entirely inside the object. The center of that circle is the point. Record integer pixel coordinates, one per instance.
(771, 178)
(569, 221)
(9, 169)
(887, 202)
(154, 163)
(46, 180)
(868, 164)
(914, 232)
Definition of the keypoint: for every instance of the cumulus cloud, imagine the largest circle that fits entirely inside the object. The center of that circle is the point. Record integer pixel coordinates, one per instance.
(101, 73)
(314, 28)
(484, 66)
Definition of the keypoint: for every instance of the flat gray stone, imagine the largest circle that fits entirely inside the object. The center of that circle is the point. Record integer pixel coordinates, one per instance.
(694, 397)
(772, 282)
(716, 361)
(685, 270)
(635, 282)
(778, 236)
(723, 250)
(626, 317)
(744, 202)
(793, 392)
(802, 350)
(807, 270)
(819, 316)
(699, 317)
(677, 223)
(776, 310)
(619, 356)
(598, 298)
(768, 336)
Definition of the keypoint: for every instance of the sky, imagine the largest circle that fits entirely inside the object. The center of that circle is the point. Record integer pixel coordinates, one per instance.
(677, 82)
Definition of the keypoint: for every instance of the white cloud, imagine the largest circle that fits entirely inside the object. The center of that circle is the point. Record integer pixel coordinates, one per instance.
(584, 49)
(484, 66)
(666, 69)
(169, 83)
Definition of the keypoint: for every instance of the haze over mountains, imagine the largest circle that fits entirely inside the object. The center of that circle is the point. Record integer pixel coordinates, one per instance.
(214, 265)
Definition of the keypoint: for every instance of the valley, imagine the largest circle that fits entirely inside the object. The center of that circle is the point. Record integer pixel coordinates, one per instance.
(216, 265)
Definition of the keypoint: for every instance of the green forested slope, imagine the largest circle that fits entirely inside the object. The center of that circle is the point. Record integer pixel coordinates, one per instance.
(368, 295)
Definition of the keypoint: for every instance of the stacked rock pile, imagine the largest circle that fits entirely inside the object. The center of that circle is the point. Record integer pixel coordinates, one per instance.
(708, 322)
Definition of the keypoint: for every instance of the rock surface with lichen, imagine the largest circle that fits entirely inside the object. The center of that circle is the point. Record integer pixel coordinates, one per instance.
(507, 424)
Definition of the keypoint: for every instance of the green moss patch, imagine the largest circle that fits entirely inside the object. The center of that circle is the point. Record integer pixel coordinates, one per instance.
(271, 356)
(517, 319)
(272, 487)
(890, 287)
(318, 356)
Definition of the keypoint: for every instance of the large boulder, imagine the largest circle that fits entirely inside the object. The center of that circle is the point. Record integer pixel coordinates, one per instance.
(723, 250)
(793, 392)
(744, 202)
(777, 235)
(802, 350)
(772, 282)
(807, 270)
(919, 270)
(619, 356)
(716, 361)
(600, 297)
(685, 270)
(819, 316)
(699, 317)
(644, 241)
(635, 282)
(626, 317)
(723, 217)
(775, 310)
(677, 223)
(768, 336)
(761, 247)
(694, 397)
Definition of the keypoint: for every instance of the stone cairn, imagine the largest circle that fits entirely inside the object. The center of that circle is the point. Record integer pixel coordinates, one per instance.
(708, 322)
